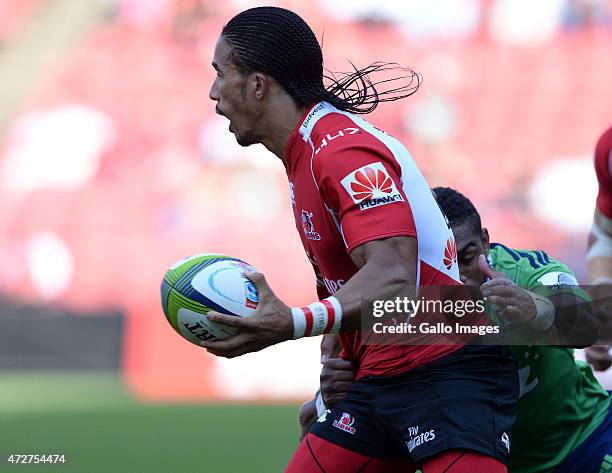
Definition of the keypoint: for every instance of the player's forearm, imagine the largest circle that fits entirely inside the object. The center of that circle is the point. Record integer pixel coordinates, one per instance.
(574, 323)
(383, 265)
(601, 294)
(371, 282)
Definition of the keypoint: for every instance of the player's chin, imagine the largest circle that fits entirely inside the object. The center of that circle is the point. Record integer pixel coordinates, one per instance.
(242, 140)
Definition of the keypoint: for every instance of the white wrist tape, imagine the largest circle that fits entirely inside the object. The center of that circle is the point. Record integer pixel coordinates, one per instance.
(545, 315)
(321, 407)
(602, 247)
(317, 318)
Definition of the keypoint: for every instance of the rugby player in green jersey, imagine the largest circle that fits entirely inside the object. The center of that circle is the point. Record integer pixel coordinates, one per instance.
(564, 423)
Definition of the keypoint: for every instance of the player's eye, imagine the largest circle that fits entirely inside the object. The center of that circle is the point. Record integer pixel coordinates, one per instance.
(466, 258)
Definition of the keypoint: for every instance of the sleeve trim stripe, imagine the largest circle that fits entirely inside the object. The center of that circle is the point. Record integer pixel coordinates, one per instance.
(532, 262)
(540, 258)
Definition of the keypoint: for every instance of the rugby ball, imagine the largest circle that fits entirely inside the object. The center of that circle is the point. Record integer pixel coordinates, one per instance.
(200, 283)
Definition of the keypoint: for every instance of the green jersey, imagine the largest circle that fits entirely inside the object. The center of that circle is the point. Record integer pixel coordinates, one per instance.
(560, 401)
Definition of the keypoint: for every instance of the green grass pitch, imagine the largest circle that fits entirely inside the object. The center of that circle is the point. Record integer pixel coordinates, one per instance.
(100, 429)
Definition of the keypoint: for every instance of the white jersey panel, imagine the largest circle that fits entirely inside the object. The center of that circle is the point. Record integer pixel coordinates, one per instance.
(433, 232)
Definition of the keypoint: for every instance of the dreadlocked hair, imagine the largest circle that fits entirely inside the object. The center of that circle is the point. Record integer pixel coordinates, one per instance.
(280, 43)
(457, 208)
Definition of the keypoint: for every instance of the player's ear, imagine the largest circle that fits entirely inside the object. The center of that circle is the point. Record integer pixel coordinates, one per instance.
(260, 84)
(485, 239)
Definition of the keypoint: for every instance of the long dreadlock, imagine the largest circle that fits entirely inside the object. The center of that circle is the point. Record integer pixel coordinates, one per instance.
(280, 43)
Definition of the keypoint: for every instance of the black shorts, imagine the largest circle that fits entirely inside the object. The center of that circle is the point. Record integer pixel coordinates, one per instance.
(465, 400)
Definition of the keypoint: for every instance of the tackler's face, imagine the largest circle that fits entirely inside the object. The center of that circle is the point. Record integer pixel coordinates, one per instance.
(470, 245)
(229, 91)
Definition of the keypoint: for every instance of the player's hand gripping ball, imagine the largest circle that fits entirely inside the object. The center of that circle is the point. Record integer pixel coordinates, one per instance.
(200, 283)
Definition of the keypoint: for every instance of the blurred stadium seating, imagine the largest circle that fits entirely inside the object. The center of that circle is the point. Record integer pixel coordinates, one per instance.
(114, 164)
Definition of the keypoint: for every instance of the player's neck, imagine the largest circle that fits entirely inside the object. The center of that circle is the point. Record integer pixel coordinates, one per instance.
(280, 121)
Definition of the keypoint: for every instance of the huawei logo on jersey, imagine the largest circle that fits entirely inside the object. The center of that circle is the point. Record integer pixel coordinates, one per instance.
(369, 181)
(450, 253)
(371, 186)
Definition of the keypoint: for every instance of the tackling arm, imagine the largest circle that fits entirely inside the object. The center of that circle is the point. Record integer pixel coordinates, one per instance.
(552, 314)
(574, 324)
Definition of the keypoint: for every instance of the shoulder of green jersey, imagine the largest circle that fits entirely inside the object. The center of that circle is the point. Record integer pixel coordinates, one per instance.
(536, 259)
(558, 278)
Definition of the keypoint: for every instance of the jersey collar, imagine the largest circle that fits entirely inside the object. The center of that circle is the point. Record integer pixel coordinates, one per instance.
(304, 129)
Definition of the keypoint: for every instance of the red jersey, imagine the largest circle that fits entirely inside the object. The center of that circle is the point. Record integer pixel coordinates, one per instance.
(603, 168)
(351, 183)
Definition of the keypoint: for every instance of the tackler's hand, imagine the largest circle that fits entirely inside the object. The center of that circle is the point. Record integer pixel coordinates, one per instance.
(599, 357)
(516, 304)
(337, 376)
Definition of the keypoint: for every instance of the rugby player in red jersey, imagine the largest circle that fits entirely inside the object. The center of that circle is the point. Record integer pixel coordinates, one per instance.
(599, 256)
(367, 220)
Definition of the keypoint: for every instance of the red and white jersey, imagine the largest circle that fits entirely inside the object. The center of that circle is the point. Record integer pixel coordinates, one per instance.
(351, 183)
(603, 168)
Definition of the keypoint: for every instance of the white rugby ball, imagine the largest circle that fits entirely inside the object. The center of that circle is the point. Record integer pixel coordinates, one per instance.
(200, 283)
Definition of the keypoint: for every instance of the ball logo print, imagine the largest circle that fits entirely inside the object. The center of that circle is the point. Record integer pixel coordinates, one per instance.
(371, 186)
(450, 253)
(218, 276)
(251, 298)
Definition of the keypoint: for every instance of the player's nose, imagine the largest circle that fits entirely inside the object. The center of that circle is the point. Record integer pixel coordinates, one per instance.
(213, 93)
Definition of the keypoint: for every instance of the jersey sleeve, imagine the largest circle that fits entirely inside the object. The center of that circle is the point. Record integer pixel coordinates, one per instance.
(322, 291)
(361, 186)
(547, 276)
(603, 169)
